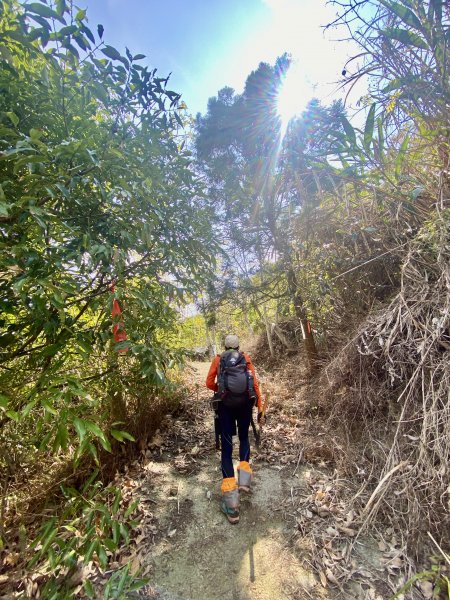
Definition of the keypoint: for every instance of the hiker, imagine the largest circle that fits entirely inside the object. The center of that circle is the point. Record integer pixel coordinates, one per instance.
(232, 376)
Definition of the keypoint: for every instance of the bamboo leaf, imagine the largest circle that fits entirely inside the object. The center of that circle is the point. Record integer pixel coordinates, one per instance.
(408, 38)
(437, 9)
(380, 137)
(368, 129)
(89, 589)
(79, 425)
(405, 14)
(401, 156)
(350, 132)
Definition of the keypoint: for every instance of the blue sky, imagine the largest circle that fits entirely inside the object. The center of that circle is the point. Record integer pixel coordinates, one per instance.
(208, 44)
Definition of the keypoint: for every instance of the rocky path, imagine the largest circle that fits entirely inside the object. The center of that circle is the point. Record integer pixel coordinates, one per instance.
(296, 539)
(197, 554)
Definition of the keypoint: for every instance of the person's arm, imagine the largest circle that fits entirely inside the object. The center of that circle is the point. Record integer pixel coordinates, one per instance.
(255, 382)
(212, 374)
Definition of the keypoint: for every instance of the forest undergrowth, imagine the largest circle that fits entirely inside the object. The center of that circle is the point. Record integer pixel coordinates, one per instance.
(378, 414)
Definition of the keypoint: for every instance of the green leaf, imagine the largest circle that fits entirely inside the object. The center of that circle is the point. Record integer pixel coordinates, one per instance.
(94, 428)
(122, 435)
(13, 118)
(138, 56)
(4, 209)
(88, 33)
(103, 558)
(79, 425)
(90, 551)
(124, 533)
(29, 407)
(368, 129)
(416, 192)
(436, 5)
(116, 503)
(44, 11)
(48, 407)
(178, 119)
(101, 92)
(408, 38)
(4, 400)
(61, 438)
(67, 31)
(130, 510)
(405, 14)
(393, 85)
(89, 589)
(350, 132)
(81, 15)
(61, 7)
(106, 444)
(401, 156)
(111, 52)
(94, 453)
(12, 414)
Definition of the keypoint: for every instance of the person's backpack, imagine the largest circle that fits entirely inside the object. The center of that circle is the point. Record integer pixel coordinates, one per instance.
(234, 379)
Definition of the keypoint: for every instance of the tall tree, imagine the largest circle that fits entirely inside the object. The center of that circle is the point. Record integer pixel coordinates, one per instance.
(95, 189)
(259, 184)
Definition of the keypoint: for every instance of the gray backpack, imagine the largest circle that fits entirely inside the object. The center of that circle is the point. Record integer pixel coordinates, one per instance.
(233, 374)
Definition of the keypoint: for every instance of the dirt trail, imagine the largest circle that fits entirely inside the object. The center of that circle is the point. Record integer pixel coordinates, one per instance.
(199, 555)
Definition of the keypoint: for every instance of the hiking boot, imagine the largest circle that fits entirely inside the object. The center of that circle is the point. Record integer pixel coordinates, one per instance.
(230, 500)
(244, 476)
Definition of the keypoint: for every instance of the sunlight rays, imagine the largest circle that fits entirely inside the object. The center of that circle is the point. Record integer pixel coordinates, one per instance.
(293, 96)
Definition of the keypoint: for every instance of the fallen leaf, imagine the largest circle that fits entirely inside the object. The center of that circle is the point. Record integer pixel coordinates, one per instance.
(396, 563)
(331, 577)
(12, 559)
(350, 517)
(135, 564)
(426, 587)
(346, 530)
(323, 579)
(323, 511)
(171, 533)
(157, 441)
(195, 450)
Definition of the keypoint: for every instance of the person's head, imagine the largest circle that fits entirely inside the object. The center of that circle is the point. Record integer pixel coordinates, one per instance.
(231, 342)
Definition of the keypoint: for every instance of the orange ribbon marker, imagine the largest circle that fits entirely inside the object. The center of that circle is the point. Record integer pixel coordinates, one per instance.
(119, 332)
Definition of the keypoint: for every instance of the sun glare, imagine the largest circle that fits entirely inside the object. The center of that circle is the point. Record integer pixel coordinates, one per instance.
(292, 96)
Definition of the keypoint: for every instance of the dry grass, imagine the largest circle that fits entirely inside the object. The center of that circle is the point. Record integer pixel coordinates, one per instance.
(387, 393)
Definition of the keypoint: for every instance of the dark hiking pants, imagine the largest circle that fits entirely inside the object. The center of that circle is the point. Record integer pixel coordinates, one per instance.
(229, 418)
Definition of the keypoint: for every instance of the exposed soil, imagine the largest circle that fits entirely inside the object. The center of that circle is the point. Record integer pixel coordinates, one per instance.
(191, 552)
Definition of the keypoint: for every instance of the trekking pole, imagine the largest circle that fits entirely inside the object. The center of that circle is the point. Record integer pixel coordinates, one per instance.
(265, 405)
(213, 403)
(257, 431)
(217, 429)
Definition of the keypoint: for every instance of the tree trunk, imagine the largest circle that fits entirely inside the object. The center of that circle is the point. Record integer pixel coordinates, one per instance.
(300, 313)
(117, 403)
(269, 336)
(264, 319)
(280, 335)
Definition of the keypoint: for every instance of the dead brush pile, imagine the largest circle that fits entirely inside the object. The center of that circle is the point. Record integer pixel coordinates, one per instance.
(388, 394)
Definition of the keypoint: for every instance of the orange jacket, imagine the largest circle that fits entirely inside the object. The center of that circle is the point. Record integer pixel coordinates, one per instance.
(212, 375)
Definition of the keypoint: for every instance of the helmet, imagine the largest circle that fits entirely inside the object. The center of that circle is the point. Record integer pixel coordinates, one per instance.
(231, 341)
